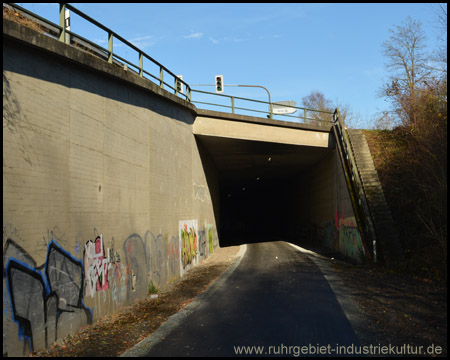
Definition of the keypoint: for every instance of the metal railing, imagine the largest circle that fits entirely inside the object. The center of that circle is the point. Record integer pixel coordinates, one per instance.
(356, 189)
(60, 32)
(307, 116)
(69, 37)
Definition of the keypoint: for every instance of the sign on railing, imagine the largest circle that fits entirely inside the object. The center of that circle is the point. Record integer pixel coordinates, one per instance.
(284, 107)
(258, 107)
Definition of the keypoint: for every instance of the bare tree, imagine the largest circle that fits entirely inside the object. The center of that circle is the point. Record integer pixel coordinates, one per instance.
(383, 121)
(408, 62)
(317, 101)
(440, 56)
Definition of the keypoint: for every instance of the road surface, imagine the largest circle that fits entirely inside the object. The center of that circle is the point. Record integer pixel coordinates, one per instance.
(276, 302)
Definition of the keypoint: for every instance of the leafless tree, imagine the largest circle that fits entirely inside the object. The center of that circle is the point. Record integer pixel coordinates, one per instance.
(317, 101)
(407, 61)
(440, 56)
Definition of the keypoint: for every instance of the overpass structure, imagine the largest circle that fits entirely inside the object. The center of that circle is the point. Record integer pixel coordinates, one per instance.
(114, 182)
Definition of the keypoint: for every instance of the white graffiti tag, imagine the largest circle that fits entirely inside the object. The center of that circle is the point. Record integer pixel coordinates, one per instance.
(95, 266)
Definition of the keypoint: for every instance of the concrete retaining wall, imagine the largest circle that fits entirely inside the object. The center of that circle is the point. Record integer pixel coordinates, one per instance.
(103, 184)
(325, 213)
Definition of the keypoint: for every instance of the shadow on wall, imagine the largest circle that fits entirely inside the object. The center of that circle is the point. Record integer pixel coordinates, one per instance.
(14, 120)
(107, 82)
(212, 179)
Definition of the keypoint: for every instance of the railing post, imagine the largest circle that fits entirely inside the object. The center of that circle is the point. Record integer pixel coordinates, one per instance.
(161, 76)
(304, 116)
(110, 47)
(141, 64)
(232, 104)
(62, 22)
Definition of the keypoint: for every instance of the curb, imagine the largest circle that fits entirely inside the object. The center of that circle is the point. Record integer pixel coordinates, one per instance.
(144, 346)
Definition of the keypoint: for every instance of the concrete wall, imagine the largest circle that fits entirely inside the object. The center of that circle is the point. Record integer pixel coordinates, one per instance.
(326, 217)
(271, 132)
(103, 184)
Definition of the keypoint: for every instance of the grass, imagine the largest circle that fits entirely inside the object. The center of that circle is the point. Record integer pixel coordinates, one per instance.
(152, 289)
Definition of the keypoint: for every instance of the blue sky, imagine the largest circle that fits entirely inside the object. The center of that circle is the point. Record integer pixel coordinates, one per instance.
(291, 49)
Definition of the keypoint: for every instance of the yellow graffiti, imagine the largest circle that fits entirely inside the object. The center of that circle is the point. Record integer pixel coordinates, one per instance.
(188, 245)
(210, 240)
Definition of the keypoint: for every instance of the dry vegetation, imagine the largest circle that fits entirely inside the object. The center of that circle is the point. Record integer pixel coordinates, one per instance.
(12, 15)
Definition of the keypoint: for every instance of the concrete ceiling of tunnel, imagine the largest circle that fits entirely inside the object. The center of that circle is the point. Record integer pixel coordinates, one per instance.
(240, 161)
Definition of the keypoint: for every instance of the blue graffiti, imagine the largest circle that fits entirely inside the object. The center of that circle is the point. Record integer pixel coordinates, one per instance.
(43, 299)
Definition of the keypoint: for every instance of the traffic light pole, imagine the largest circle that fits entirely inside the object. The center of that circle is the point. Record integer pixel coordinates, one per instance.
(270, 102)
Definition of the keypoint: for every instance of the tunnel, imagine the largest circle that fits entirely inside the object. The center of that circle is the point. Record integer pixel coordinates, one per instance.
(262, 189)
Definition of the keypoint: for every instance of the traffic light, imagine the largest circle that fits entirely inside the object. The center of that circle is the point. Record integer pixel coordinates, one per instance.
(178, 84)
(219, 83)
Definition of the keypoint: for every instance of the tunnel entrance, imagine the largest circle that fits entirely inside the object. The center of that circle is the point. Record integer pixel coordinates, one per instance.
(262, 187)
(256, 212)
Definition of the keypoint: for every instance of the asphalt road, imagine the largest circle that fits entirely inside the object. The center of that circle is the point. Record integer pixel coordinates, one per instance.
(277, 302)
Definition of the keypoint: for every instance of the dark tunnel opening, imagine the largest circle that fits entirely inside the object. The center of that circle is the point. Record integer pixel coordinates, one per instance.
(258, 212)
(260, 190)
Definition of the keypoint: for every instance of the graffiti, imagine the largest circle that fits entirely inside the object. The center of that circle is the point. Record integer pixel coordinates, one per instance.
(46, 302)
(210, 239)
(45, 299)
(136, 266)
(115, 275)
(201, 192)
(10, 232)
(173, 257)
(95, 266)
(202, 249)
(54, 234)
(350, 241)
(206, 241)
(188, 230)
(158, 255)
(327, 234)
(164, 257)
(342, 235)
(14, 250)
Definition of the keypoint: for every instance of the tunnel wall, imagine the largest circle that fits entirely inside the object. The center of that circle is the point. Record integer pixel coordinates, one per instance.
(104, 188)
(326, 217)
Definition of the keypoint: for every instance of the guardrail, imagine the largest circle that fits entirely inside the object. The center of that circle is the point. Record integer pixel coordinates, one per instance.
(60, 32)
(69, 37)
(307, 116)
